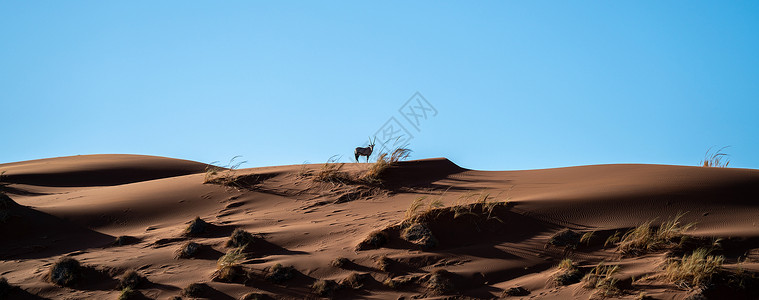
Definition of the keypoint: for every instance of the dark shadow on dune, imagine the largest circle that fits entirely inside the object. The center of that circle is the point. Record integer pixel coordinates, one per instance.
(28, 234)
(101, 177)
(263, 247)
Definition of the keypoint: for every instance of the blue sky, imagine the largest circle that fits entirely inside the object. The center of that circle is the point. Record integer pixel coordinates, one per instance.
(516, 84)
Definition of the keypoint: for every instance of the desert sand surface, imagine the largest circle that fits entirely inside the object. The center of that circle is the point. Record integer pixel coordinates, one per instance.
(423, 229)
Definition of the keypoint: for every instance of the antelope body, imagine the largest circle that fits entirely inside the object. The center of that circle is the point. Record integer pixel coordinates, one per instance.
(364, 151)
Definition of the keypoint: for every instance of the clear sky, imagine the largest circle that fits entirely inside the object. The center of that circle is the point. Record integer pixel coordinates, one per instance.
(516, 84)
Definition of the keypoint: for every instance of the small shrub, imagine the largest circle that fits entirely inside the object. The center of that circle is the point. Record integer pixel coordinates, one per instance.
(66, 272)
(384, 162)
(324, 287)
(222, 175)
(278, 273)
(516, 291)
(355, 280)
(196, 227)
(196, 290)
(189, 249)
(375, 240)
(331, 172)
(129, 293)
(229, 269)
(567, 274)
(565, 238)
(240, 239)
(420, 235)
(693, 270)
(440, 281)
(340, 262)
(131, 279)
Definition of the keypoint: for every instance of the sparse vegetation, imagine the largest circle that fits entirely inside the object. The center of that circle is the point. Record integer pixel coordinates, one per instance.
(645, 237)
(399, 281)
(439, 281)
(340, 262)
(279, 274)
(131, 279)
(375, 240)
(516, 291)
(129, 293)
(384, 263)
(228, 266)
(324, 287)
(222, 175)
(693, 270)
(716, 159)
(420, 235)
(384, 162)
(197, 227)
(241, 239)
(600, 278)
(256, 296)
(196, 290)
(332, 172)
(566, 238)
(187, 250)
(567, 273)
(355, 280)
(66, 272)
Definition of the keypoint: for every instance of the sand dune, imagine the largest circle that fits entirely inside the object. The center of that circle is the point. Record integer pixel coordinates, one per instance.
(77, 207)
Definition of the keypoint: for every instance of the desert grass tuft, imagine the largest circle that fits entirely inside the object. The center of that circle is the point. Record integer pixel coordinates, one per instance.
(399, 281)
(279, 274)
(228, 266)
(65, 272)
(332, 172)
(420, 235)
(187, 250)
(601, 279)
(384, 162)
(130, 294)
(515, 292)
(716, 159)
(375, 240)
(340, 262)
(196, 290)
(324, 287)
(645, 237)
(131, 279)
(693, 270)
(241, 239)
(384, 263)
(567, 273)
(355, 280)
(197, 227)
(440, 281)
(222, 175)
(565, 238)
(256, 296)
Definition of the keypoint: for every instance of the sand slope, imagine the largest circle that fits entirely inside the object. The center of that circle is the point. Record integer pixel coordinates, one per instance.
(77, 206)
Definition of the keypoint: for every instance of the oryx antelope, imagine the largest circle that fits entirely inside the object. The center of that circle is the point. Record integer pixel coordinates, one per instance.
(365, 151)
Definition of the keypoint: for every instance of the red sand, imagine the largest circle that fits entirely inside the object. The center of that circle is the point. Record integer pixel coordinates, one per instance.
(76, 206)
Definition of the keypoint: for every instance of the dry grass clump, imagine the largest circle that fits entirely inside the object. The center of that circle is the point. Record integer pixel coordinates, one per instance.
(196, 290)
(340, 262)
(324, 287)
(645, 238)
(600, 278)
(716, 159)
(515, 292)
(355, 280)
(131, 294)
(228, 266)
(65, 272)
(222, 175)
(331, 172)
(567, 273)
(189, 249)
(384, 162)
(566, 238)
(241, 239)
(375, 240)
(693, 270)
(439, 281)
(196, 227)
(278, 273)
(131, 279)
(420, 235)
